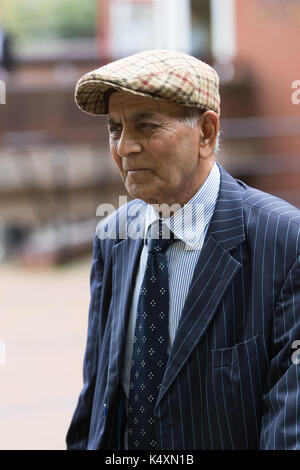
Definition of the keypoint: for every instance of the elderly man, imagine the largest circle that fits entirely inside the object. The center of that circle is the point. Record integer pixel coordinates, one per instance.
(194, 324)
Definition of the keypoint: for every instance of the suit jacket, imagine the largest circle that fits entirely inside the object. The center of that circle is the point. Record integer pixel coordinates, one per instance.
(232, 381)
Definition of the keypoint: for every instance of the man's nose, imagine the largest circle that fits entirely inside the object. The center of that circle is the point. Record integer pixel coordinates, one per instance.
(128, 144)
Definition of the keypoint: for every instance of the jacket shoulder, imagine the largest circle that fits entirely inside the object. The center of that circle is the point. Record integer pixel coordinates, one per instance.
(258, 201)
(270, 219)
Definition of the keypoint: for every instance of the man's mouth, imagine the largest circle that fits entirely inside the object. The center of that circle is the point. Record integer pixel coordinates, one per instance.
(136, 169)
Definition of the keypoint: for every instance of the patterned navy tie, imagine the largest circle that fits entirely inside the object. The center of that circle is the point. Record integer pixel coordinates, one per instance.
(150, 343)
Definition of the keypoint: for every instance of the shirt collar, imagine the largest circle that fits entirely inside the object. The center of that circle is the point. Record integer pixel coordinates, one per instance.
(190, 222)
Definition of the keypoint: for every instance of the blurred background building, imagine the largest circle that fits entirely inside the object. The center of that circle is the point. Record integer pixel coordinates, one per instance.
(54, 163)
(55, 167)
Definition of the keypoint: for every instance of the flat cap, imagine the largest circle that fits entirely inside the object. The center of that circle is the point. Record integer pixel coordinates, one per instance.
(158, 74)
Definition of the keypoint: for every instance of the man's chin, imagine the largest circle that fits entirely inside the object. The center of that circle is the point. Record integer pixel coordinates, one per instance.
(137, 193)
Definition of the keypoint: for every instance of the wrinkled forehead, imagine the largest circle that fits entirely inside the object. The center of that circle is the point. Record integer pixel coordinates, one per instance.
(124, 104)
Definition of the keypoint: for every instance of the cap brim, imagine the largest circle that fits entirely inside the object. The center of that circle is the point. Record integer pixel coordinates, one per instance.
(92, 96)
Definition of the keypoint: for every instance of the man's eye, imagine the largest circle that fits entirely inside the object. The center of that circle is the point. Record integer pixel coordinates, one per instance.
(114, 129)
(147, 126)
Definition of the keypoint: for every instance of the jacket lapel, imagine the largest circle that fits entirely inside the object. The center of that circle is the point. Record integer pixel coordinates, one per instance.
(213, 274)
(125, 262)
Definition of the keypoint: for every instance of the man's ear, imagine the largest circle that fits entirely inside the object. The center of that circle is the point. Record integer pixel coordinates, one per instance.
(208, 132)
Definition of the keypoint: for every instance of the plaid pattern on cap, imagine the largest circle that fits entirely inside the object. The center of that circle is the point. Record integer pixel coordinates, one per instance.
(158, 74)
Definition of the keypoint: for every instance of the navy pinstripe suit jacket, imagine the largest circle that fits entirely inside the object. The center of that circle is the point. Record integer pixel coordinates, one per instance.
(231, 381)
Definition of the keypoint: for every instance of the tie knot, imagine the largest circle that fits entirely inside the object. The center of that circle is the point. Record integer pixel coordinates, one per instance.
(160, 237)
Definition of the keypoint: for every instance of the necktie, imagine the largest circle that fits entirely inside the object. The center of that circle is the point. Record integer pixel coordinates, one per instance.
(150, 343)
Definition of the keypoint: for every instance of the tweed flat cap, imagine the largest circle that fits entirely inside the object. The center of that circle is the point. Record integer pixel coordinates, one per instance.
(158, 74)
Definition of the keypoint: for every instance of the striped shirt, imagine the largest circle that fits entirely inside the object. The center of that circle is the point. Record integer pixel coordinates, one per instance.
(189, 225)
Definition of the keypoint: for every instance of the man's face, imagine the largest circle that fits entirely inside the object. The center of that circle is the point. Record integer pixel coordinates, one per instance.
(156, 152)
